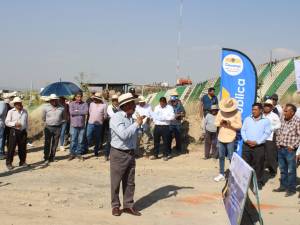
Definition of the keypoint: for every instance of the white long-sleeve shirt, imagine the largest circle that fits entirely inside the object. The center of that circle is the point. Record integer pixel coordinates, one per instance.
(275, 123)
(144, 111)
(163, 116)
(14, 116)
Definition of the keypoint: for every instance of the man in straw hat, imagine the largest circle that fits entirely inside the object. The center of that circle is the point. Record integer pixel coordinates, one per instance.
(143, 109)
(229, 121)
(17, 120)
(52, 115)
(122, 158)
(3, 112)
(98, 113)
(255, 132)
(270, 146)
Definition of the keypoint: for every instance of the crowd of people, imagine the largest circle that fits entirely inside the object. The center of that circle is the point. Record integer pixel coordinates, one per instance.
(270, 138)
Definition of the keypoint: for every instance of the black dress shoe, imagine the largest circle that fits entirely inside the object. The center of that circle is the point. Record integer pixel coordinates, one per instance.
(116, 211)
(290, 193)
(132, 211)
(71, 157)
(280, 189)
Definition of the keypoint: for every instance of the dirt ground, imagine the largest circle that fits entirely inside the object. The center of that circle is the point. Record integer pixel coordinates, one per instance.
(180, 192)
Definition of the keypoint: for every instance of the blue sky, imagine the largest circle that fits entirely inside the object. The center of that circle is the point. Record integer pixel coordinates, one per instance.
(135, 40)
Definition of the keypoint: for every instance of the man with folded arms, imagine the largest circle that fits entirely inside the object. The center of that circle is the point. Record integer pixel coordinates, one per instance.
(255, 132)
(288, 141)
(53, 117)
(122, 157)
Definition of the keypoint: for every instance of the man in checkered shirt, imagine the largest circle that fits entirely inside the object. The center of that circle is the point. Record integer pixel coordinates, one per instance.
(288, 141)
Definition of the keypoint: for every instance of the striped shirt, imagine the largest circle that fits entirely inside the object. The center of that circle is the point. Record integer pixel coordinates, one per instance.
(289, 133)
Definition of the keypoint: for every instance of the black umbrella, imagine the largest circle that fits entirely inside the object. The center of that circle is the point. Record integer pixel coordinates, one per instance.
(60, 89)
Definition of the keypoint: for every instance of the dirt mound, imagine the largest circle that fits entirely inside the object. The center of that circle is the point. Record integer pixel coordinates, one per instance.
(36, 125)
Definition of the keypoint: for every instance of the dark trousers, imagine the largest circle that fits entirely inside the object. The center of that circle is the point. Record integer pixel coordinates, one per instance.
(5, 137)
(164, 132)
(271, 157)
(255, 157)
(210, 144)
(175, 130)
(122, 169)
(17, 138)
(52, 135)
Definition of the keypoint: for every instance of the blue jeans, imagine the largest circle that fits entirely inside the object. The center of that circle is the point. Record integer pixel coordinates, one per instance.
(287, 166)
(63, 133)
(1, 140)
(223, 149)
(94, 133)
(77, 140)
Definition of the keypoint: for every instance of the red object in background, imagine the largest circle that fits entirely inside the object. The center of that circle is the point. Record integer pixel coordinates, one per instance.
(182, 81)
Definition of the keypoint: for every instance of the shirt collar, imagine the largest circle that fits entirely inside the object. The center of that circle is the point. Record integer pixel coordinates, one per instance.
(259, 118)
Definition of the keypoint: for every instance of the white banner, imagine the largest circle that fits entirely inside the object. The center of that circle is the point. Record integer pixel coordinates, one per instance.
(297, 73)
(236, 193)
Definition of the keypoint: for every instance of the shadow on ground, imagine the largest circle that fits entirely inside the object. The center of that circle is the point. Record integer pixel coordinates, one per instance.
(158, 195)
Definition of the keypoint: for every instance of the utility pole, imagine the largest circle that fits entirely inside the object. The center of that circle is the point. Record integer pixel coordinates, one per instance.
(179, 39)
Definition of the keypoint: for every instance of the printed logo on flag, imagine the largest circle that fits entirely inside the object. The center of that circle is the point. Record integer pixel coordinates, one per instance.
(233, 65)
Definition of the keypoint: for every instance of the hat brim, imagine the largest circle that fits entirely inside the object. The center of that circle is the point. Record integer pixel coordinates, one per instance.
(98, 98)
(226, 109)
(125, 101)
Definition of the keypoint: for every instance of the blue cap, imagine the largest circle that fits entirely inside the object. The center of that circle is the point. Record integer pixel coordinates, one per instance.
(173, 98)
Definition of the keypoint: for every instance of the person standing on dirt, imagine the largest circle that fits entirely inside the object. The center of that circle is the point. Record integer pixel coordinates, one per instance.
(3, 112)
(17, 120)
(78, 112)
(65, 127)
(255, 132)
(211, 132)
(271, 150)
(97, 115)
(53, 116)
(122, 158)
(163, 115)
(176, 123)
(288, 141)
(229, 122)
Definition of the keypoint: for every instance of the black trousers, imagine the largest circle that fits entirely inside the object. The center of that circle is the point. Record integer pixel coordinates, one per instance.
(255, 157)
(52, 135)
(210, 146)
(122, 169)
(164, 132)
(271, 161)
(17, 138)
(6, 137)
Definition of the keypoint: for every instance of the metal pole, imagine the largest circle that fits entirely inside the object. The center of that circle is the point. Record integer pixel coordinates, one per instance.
(179, 40)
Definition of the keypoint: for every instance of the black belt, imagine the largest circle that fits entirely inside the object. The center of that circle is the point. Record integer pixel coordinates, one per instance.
(261, 145)
(128, 151)
(57, 126)
(281, 146)
(162, 125)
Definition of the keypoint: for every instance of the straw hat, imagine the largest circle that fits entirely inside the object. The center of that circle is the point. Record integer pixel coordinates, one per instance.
(53, 97)
(126, 98)
(142, 99)
(228, 105)
(98, 96)
(114, 97)
(268, 102)
(17, 100)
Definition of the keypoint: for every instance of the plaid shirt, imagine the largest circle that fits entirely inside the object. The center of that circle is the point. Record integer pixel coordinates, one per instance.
(288, 135)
